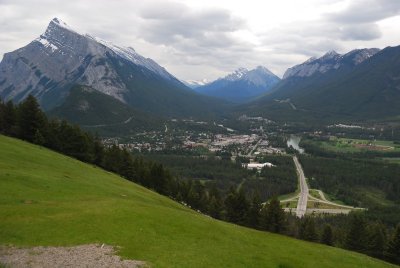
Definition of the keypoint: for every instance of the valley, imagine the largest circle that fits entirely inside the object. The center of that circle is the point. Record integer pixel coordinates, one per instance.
(104, 150)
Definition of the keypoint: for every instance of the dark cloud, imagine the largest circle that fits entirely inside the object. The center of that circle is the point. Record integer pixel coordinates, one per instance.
(363, 32)
(366, 11)
(171, 23)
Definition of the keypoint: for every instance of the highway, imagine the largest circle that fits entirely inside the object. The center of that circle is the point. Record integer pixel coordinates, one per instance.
(303, 197)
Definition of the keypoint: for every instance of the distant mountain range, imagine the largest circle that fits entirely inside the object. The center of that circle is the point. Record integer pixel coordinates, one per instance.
(330, 61)
(195, 83)
(241, 85)
(71, 74)
(61, 58)
(362, 85)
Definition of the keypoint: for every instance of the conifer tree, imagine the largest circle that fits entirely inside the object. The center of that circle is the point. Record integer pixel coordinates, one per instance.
(9, 119)
(376, 239)
(236, 206)
(30, 118)
(273, 216)
(254, 211)
(307, 230)
(327, 235)
(393, 250)
(356, 234)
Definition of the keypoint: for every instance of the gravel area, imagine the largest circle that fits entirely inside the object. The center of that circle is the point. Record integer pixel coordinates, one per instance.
(99, 256)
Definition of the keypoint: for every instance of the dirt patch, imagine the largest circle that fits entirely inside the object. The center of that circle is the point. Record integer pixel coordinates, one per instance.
(98, 256)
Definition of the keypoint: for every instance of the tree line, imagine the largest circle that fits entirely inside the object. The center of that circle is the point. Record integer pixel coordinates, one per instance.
(27, 122)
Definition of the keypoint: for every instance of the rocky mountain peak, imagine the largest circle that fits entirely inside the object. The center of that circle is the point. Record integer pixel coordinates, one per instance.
(55, 26)
(330, 54)
(329, 61)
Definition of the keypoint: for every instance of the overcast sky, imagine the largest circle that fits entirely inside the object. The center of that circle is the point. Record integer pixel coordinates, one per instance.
(197, 39)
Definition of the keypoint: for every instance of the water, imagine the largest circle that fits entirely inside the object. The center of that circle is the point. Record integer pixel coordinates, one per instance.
(294, 142)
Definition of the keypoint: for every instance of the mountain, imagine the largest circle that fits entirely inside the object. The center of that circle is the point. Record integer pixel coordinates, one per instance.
(241, 85)
(96, 111)
(330, 61)
(195, 83)
(52, 64)
(344, 88)
(56, 200)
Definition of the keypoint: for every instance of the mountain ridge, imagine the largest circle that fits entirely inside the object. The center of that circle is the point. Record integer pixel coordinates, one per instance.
(49, 66)
(241, 85)
(365, 91)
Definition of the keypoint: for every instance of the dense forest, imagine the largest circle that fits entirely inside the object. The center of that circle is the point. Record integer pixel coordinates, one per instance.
(220, 172)
(355, 232)
(341, 177)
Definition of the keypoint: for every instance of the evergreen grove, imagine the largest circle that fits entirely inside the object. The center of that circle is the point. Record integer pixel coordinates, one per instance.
(27, 122)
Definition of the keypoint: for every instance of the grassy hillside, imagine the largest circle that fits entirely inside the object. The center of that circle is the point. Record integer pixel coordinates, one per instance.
(50, 199)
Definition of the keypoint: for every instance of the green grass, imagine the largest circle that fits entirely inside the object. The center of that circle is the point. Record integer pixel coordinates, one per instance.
(374, 196)
(333, 199)
(314, 193)
(345, 145)
(290, 204)
(52, 200)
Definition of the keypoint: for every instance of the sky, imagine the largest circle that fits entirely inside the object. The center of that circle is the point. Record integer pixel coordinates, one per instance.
(207, 39)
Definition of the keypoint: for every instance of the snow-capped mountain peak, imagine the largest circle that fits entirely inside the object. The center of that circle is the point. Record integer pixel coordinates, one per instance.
(329, 61)
(264, 70)
(237, 74)
(330, 54)
(60, 35)
(130, 54)
(196, 83)
(56, 24)
(62, 56)
(241, 85)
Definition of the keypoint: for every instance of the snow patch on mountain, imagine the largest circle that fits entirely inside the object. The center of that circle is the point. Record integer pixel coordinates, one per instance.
(329, 61)
(47, 44)
(131, 55)
(196, 83)
(236, 75)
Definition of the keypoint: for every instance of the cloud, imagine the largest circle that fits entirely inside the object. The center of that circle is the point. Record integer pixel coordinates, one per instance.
(171, 23)
(366, 11)
(206, 39)
(365, 32)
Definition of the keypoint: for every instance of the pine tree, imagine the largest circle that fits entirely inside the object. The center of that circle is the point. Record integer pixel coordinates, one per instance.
(215, 204)
(393, 250)
(327, 235)
(376, 239)
(38, 138)
(356, 235)
(30, 118)
(98, 152)
(273, 216)
(307, 230)
(9, 119)
(236, 206)
(253, 219)
(2, 111)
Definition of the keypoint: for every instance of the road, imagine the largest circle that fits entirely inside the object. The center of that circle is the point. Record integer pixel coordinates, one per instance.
(254, 148)
(303, 197)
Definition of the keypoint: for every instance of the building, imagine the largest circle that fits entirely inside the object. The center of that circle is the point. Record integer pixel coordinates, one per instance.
(258, 166)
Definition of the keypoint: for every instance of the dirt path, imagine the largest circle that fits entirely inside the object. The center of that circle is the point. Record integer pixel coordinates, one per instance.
(53, 257)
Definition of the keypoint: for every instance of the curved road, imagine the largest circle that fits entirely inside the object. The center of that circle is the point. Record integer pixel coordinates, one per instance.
(303, 197)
